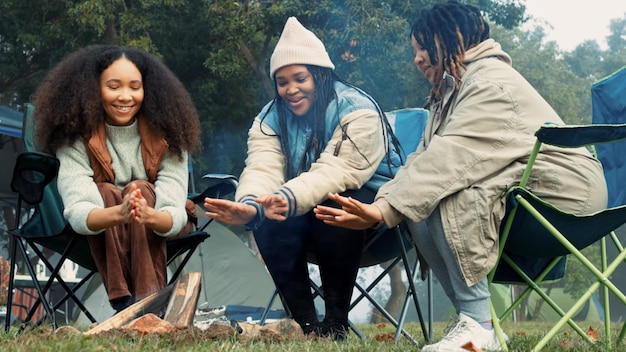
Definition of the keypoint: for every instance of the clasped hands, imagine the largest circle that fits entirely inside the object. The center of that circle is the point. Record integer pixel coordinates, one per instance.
(135, 207)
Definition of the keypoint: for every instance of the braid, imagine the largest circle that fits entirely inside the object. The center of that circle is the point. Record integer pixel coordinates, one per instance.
(446, 31)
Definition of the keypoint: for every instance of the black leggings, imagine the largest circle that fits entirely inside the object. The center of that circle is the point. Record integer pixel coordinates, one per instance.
(285, 247)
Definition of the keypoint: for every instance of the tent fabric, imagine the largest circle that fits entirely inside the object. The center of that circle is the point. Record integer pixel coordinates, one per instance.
(10, 122)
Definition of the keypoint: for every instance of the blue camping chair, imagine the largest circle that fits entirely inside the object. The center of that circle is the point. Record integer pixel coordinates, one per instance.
(44, 230)
(531, 221)
(392, 246)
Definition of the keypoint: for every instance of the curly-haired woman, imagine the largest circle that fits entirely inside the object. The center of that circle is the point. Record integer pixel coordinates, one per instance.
(122, 126)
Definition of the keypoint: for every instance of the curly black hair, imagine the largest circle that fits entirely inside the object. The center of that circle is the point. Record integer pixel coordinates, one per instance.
(68, 103)
(454, 27)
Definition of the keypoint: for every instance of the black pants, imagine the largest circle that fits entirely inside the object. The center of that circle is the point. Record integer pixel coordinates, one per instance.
(285, 245)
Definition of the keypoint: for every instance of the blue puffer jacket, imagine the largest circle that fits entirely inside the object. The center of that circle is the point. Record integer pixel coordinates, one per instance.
(353, 147)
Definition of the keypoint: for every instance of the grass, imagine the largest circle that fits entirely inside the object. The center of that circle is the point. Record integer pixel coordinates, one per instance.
(378, 338)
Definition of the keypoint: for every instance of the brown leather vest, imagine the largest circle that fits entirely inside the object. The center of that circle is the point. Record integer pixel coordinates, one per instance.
(153, 150)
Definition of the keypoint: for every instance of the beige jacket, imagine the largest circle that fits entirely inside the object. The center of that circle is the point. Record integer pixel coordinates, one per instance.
(472, 154)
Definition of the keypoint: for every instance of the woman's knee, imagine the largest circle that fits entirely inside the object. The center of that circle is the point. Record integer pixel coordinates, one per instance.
(146, 188)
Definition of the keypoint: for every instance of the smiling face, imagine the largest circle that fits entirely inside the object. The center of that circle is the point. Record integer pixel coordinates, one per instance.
(422, 61)
(122, 92)
(296, 87)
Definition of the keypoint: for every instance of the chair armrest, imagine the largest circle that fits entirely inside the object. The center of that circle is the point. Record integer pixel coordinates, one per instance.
(572, 136)
(220, 185)
(33, 171)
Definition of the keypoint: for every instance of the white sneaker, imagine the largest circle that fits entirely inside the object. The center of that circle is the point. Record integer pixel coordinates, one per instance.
(463, 331)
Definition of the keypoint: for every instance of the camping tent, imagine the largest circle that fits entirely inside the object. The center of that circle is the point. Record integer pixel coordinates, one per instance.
(10, 122)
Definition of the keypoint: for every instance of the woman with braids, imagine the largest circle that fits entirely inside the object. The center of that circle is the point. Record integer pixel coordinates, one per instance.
(318, 135)
(483, 115)
(122, 126)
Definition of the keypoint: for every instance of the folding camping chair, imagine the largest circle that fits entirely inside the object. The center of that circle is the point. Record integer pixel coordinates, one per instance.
(530, 220)
(391, 245)
(41, 227)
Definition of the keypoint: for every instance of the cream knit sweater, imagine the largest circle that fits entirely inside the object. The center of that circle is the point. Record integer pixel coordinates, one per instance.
(80, 194)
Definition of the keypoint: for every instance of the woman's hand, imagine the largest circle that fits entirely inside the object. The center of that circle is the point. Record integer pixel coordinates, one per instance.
(138, 206)
(352, 215)
(139, 212)
(131, 208)
(229, 212)
(274, 206)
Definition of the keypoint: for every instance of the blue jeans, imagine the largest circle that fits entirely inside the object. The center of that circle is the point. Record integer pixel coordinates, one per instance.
(430, 239)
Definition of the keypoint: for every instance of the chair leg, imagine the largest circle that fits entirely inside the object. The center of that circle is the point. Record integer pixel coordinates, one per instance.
(71, 293)
(41, 292)
(13, 266)
(268, 307)
(430, 306)
(498, 329)
(412, 291)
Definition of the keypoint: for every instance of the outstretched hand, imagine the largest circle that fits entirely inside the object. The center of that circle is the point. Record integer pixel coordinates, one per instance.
(352, 215)
(229, 212)
(274, 206)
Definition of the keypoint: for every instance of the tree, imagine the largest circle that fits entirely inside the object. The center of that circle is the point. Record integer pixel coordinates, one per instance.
(32, 39)
(541, 63)
(589, 61)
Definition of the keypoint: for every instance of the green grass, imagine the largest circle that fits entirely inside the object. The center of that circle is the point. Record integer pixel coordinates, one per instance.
(522, 337)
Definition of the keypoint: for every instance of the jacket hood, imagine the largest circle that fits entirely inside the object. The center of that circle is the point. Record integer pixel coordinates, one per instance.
(486, 48)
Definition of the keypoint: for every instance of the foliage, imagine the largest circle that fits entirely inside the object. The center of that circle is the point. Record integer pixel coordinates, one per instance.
(220, 50)
(588, 60)
(539, 62)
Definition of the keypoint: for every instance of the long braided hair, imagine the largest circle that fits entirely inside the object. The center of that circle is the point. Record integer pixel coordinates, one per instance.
(324, 79)
(446, 31)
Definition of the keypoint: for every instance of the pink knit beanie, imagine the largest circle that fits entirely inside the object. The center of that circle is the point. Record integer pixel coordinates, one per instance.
(298, 46)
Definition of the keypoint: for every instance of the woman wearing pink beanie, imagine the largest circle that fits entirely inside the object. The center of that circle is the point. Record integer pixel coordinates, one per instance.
(319, 134)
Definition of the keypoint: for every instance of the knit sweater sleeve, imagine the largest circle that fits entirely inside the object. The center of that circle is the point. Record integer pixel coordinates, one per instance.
(76, 187)
(170, 189)
(80, 193)
(263, 173)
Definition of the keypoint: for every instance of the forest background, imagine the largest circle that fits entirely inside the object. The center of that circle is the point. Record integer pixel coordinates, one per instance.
(220, 50)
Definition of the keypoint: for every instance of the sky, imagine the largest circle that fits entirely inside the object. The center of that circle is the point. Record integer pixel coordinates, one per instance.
(575, 21)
